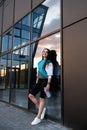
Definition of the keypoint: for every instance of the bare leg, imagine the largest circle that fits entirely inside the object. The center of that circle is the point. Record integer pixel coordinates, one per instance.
(41, 107)
(34, 100)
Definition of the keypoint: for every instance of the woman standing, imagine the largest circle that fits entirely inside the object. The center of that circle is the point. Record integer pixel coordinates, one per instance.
(44, 75)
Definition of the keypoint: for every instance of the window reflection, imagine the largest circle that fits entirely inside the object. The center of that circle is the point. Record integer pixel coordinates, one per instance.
(17, 32)
(0, 43)
(22, 32)
(52, 43)
(25, 34)
(45, 19)
(24, 51)
(19, 85)
(7, 41)
(5, 74)
(38, 17)
(26, 20)
(52, 20)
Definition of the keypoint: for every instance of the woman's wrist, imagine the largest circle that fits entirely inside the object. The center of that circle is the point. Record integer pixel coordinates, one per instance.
(48, 82)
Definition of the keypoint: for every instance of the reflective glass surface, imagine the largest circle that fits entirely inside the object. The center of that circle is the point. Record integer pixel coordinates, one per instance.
(5, 75)
(43, 20)
(0, 43)
(52, 18)
(51, 42)
(53, 104)
(38, 17)
(19, 84)
(7, 41)
(22, 32)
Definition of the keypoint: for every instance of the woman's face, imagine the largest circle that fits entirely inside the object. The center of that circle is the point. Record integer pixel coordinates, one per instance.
(45, 53)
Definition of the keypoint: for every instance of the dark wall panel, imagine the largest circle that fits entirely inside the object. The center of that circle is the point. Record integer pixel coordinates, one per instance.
(0, 19)
(75, 75)
(8, 14)
(73, 10)
(36, 2)
(22, 7)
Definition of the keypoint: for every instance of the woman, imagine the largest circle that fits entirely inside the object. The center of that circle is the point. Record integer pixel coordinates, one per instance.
(44, 74)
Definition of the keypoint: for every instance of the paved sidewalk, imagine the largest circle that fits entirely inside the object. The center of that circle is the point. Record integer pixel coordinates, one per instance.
(12, 118)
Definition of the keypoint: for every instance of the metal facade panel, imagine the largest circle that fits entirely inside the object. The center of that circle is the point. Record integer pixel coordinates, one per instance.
(0, 19)
(8, 14)
(75, 75)
(22, 7)
(35, 3)
(74, 10)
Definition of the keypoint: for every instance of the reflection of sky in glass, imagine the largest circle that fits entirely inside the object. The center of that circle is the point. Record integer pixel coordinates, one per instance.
(21, 32)
(52, 20)
(38, 16)
(53, 10)
(6, 41)
(51, 23)
(52, 43)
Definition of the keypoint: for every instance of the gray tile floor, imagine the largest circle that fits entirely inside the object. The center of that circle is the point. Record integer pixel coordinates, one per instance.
(19, 97)
(13, 118)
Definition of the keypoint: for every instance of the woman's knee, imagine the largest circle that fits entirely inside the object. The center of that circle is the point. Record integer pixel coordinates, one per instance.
(30, 96)
(42, 99)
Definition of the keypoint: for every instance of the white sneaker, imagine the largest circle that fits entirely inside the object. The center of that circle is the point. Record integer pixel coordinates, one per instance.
(36, 121)
(43, 113)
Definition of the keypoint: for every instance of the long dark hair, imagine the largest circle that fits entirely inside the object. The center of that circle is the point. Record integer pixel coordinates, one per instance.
(53, 56)
(55, 62)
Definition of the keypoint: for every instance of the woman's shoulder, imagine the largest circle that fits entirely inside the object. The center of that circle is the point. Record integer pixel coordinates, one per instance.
(49, 64)
(48, 61)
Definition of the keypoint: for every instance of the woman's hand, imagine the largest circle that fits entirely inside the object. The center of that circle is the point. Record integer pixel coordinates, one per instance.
(37, 80)
(47, 87)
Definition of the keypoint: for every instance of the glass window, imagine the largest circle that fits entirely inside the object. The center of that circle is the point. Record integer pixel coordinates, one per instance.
(21, 32)
(53, 43)
(7, 41)
(52, 17)
(16, 42)
(25, 34)
(26, 20)
(17, 32)
(38, 16)
(19, 85)
(5, 75)
(46, 18)
(24, 41)
(3, 71)
(0, 43)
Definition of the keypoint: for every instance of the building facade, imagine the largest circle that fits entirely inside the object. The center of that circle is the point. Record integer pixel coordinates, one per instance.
(74, 39)
(28, 26)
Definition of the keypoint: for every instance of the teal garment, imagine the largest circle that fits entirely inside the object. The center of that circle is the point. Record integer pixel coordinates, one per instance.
(41, 68)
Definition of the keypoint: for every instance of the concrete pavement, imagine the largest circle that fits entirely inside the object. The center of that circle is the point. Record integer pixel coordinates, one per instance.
(13, 118)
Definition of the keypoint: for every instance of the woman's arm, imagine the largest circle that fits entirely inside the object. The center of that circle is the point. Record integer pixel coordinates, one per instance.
(49, 70)
(37, 80)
